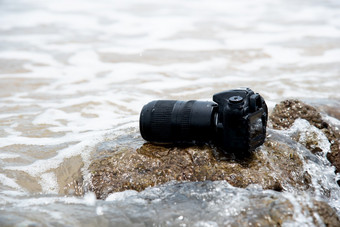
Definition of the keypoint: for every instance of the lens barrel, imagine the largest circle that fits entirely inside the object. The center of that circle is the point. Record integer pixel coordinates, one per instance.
(171, 121)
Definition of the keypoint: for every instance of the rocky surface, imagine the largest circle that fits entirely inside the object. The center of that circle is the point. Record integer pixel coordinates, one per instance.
(326, 213)
(217, 203)
(286, 112)
(276, 165)
(281, 164)
(152, 165)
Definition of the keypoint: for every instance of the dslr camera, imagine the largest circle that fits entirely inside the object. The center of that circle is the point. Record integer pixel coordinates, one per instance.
(235, 122)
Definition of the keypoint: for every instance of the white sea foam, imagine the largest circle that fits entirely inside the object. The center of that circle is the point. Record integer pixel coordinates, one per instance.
(121, 196)
(49, 183)
(8, 155)
(4, 180)
(317, 166)
(90, 199)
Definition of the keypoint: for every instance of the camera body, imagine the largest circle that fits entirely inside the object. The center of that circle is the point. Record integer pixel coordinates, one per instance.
(240, 121)
(235, 122)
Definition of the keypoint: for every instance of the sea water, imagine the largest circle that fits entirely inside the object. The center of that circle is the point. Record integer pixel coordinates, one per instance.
(74, 74)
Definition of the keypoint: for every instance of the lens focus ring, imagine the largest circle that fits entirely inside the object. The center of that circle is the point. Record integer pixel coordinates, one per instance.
(170, 121)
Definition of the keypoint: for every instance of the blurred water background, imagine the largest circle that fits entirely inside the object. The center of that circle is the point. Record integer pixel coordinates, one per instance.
(76, 73)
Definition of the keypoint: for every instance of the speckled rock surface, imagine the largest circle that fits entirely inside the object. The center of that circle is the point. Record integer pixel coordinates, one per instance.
(275, 165)
(280, 164)
(286, 112)
(326, 213)
(217, 203)
(152, 165)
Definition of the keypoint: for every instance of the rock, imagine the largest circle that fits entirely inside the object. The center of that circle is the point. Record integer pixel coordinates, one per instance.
(286, 162)
(327, 214)
(334, 158)
(276, 165)
(215, 203)
(286, 112)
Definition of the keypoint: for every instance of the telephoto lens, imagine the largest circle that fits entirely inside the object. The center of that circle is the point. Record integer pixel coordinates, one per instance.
(235, 122)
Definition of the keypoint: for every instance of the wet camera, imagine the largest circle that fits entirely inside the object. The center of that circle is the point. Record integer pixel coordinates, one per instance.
(235, 122)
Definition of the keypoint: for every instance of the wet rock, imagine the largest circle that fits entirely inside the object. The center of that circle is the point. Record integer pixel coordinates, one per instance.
(326, 213)
(286, 112)
(220, 204)
(276, 165)
(284, 163)
(208, 203)
(334, 158)
(152, 165)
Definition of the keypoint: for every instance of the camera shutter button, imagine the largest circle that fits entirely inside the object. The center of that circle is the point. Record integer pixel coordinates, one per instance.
(235, 99)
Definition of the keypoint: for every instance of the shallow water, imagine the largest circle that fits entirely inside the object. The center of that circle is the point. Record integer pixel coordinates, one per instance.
(75, 74)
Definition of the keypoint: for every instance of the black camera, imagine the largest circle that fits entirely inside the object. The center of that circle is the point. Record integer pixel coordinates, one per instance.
(235, 122)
